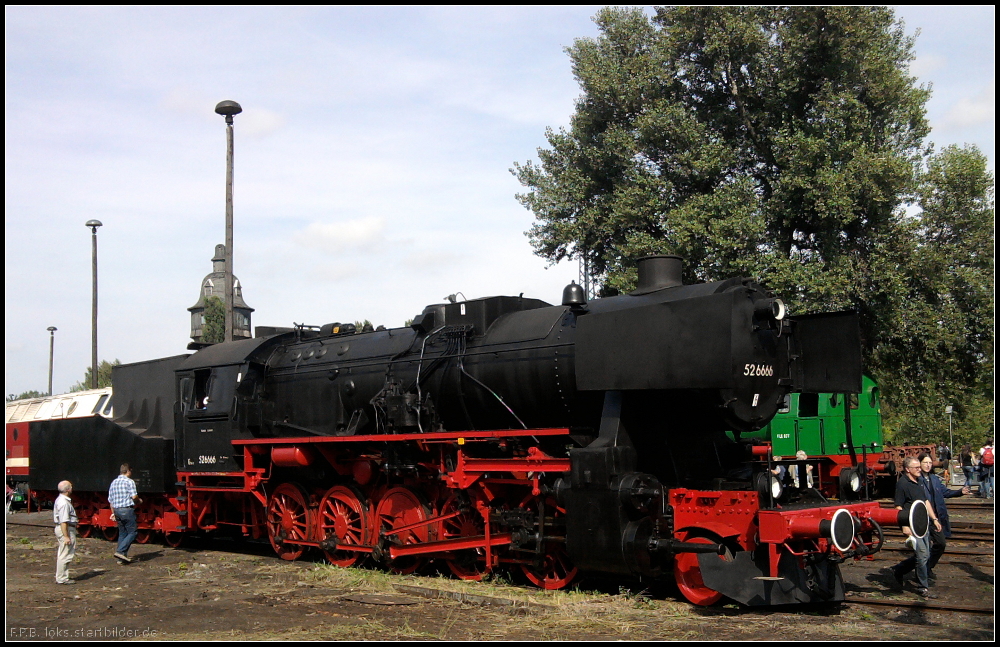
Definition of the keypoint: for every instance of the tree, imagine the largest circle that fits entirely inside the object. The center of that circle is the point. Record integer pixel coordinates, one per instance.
(940, 351)
(767, 141)
(103, 376)
(213, 330)
(27, 395)
(780, 143)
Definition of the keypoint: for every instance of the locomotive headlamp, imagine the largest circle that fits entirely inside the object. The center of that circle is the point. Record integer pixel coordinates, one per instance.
(854, 481)
(776, 488)
(767, 483)
(773, 308)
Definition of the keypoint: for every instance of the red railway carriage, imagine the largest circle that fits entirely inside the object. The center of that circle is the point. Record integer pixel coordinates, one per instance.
(500, 433)
(20, 414)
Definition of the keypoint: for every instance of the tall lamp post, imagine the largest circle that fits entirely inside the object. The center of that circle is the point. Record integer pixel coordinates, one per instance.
(52, 348)
(93, 224)
(228, 109)
(951, 437)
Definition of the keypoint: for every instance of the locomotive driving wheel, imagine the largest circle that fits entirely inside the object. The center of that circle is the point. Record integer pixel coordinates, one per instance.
(687, 571)
(143, 535)
(552, 568)
(288, 520)
(469, 563)
(342, 518)
(401, 507)
(85, 515)
(110, 532)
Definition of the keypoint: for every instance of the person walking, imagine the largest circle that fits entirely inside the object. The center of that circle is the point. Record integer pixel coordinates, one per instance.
(64, 517)
(968, 463)
(937, 492)
(986, 470)
(908, 491)
(123, 497)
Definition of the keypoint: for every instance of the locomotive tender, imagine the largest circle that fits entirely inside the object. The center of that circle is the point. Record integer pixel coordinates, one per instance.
(501, 432)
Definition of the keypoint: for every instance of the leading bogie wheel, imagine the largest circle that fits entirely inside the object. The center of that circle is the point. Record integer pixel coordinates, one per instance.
(687, 571)
(289, 521)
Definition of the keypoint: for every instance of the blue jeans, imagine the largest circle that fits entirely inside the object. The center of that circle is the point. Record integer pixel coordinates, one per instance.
(921, 555)
(986, 481)
(128, 528)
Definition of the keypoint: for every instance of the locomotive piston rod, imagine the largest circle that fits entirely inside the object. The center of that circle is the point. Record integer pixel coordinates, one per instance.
(676, 546)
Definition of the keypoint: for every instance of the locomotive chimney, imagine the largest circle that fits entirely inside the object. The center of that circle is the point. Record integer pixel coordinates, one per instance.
(659, 271)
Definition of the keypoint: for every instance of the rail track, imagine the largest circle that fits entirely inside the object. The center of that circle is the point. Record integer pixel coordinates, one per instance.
(931, 605)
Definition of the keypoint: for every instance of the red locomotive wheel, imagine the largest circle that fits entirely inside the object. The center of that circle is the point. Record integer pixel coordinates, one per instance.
(343, 517)
(556, 570)
(143, 536)
(110, 533)
(85, 515)
(398, 508)
(468, 564)
(288, 520)
(687, 572)
(173, 539)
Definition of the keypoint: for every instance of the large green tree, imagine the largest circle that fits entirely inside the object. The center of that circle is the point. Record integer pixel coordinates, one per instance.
(780, 143)
(939, 347)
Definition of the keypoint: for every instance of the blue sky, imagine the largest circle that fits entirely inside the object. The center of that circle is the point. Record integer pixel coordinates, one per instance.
(372, 160)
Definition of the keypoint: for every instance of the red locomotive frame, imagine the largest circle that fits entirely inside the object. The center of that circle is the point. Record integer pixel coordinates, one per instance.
(457, 514)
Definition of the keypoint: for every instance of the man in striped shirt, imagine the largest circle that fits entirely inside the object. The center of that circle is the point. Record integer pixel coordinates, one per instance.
(123, 498)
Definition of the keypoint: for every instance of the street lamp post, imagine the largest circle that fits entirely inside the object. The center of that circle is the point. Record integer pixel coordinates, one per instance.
(93, 224)
(228, 109)
(951, 437)
(52, 348)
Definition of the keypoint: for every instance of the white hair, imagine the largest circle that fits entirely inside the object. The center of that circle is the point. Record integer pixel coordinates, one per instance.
(64, 487)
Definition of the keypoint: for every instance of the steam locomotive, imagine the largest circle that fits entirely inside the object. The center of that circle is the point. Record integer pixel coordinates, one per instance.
(503, 432)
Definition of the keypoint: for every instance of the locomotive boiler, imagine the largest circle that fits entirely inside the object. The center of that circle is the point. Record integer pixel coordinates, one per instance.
(506, 432)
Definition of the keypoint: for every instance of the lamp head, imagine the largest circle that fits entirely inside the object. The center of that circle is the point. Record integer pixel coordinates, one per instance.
(228, 109)
(94, 224)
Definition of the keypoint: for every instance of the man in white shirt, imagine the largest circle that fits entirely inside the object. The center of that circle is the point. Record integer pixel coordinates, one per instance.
(64, 516)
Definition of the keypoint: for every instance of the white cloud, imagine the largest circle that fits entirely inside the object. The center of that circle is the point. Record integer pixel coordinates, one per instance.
(973, 111)
(341, 236)
(259, 122)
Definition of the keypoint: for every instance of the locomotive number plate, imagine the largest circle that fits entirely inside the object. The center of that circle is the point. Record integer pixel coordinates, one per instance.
(758, 370)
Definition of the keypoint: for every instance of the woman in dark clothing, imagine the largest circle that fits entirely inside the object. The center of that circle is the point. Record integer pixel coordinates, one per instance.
(967, 465)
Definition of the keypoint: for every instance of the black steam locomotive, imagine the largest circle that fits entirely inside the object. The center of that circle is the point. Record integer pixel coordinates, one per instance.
(501, 432)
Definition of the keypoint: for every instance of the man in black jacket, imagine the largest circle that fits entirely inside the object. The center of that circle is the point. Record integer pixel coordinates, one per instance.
(908, 490)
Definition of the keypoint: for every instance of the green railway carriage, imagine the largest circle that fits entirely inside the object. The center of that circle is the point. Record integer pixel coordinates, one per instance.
(817, 423)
